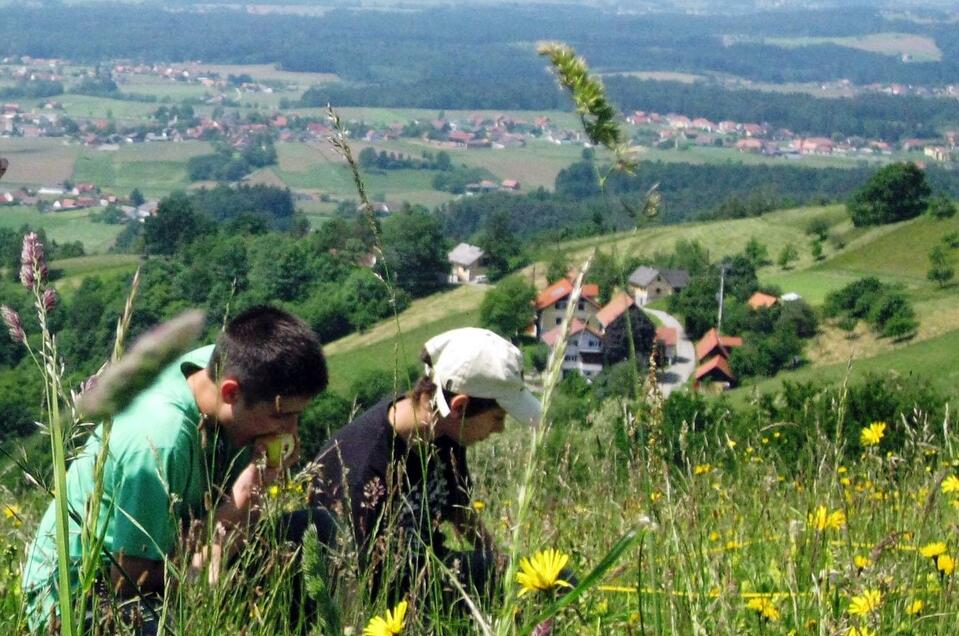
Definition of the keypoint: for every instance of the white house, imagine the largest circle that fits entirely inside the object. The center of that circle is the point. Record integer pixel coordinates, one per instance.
(466, 263)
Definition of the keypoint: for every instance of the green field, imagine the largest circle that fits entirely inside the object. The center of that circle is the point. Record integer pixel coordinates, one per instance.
(72, 225)
(919, 48)
(72, 271)
(155, 168)
(37, 162)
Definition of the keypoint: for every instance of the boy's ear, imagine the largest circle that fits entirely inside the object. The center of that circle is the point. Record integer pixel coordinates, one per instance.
(229, 391)
(458, 403)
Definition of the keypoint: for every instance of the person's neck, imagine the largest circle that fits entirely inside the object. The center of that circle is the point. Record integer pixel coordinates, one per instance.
(410, 418)
(204, 392)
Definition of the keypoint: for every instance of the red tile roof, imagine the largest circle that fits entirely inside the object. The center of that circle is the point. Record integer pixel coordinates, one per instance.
(666, 335)
(551, 336)
(557, 291)
(760, 299)
(711, 340)
(716, 362)
(614, 309)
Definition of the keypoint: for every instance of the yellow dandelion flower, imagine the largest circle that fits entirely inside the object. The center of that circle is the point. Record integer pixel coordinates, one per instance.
(946, 564)
(932, 550)
(731, 443)
(714, 536)
(872, 434)
(542, 571)
(777, 434)
(915, 607)
(950, 484)
(821, 519)
(842, 470)
(655, 496)
(867, 603)
(861, 562)
(860, 631)
(479, 505)
(389, 625)
(764, 606)
(702, 469)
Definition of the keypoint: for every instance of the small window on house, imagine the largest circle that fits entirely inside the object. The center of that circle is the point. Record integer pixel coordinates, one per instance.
(558, 320)
(581, 305)
(561, 304)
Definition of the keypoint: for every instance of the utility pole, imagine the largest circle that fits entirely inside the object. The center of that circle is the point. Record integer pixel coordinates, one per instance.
(722, 286)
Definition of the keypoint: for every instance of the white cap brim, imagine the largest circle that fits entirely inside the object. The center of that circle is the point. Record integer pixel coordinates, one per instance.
(522, 406)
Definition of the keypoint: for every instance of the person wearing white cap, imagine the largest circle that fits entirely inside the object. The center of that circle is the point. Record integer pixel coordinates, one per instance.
(399, 470)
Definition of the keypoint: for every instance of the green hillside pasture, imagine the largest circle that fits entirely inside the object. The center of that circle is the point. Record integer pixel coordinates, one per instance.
(37, 162)
(154, 168)
(72, 225)
(934, 360)
(714, 155)
(920, 48)
(346, 364)
(901, 252)
(721, 238)
(161, 87)
(73, 270)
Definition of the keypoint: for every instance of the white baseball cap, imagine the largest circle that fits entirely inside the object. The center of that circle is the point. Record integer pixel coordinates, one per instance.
(478, 363)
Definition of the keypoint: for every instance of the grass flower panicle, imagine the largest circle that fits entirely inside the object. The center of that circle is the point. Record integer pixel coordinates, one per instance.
(14, 324)
(872, 435)
(33, 263)
(542, 571)
(389, 624)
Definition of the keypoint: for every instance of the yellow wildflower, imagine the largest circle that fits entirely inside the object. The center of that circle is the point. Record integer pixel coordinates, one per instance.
(479, 505)
(702, 469)
(946, 564)
(389, 625)
(915, 607)
(655, 496)
(821, 519)
(714, 536)
(860, 631)
(872, 434)
(12, 511)
(951, 484)
(731, 443)
(542, 571)
(932, 550)
(868, 602)
(861, 562)
(763, 606)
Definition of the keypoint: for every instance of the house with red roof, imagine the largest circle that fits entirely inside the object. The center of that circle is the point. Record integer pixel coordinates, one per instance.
(712, 344)
(551, 304)
(712, 352)
(761, 300)
(584, 348)
(716, 371)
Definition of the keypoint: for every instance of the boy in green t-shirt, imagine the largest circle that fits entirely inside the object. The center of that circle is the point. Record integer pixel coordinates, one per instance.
(198, 427)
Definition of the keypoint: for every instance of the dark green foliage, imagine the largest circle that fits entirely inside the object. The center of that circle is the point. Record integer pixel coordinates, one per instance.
(455, 180)
(894, 193)
(504, 252)
(787, 255)
(579, 181)
(415, 251)
(818, 227)
(618, 380)
(607, 273)
(557, 266)
(756, 253)
(35, 89)
(175, 224)
(325, 414)
(941, 207)
(939, 269)
(507, 309)
(886, 308)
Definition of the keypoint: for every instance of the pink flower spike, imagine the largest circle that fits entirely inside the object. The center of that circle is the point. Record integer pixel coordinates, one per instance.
(32, 261)
(49, 299)
(15, 326)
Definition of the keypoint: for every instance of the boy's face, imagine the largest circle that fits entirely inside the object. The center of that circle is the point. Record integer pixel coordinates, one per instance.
(268, 417)
(475, 428)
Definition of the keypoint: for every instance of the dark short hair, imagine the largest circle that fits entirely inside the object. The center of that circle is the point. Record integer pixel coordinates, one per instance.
(270, 352)
(425, 386)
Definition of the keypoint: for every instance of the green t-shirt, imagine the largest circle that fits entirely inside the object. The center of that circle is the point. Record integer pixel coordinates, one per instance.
(156, 476)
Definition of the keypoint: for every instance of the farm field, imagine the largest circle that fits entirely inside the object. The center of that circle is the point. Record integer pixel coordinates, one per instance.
(72, 225)
(155, 168)
(917, 47)
(37, 162)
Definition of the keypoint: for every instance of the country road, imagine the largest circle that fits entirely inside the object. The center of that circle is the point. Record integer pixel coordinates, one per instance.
(676, 375)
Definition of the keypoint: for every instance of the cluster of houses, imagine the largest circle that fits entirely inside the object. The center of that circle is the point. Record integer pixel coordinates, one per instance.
(77, 197)
(673, 128)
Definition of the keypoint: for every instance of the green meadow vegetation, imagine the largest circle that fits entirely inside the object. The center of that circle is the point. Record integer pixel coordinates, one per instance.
(820, 501)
